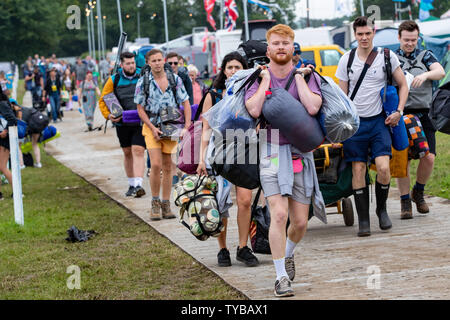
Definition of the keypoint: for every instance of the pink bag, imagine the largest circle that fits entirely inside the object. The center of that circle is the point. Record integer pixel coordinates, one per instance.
(188, 157)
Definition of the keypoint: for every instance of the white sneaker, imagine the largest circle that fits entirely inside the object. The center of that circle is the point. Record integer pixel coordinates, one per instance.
(38, 165)
(22, 167)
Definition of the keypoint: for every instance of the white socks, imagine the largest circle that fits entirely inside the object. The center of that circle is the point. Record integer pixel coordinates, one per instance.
(290, 247)
(280, 263)
(138, 182)
(135, 182)
(280, 268)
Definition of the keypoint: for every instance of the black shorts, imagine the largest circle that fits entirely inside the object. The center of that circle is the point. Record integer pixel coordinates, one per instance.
(428, 129)
(4, 142)
(130, 135)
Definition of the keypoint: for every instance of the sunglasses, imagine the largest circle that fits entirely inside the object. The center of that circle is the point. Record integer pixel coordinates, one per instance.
(173, 63)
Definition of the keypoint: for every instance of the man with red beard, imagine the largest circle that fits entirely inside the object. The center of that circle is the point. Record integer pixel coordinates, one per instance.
(287, 175)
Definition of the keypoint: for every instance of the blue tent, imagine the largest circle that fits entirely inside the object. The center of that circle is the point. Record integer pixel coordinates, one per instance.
(388, 38)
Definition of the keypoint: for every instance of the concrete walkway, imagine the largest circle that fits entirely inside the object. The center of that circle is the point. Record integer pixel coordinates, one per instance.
(413, 258)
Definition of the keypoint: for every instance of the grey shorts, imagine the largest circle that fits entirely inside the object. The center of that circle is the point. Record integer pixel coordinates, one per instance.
(271, 185)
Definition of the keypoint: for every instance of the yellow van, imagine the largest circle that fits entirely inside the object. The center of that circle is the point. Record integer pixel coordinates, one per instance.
(325, 57)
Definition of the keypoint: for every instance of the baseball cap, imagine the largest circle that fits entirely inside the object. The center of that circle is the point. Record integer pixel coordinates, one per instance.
(297, 49)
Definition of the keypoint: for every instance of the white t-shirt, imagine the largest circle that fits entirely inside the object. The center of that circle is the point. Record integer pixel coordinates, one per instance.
(368, 100)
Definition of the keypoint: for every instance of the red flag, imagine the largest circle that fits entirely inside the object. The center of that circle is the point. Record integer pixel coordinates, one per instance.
(205, 40)
(209, 6)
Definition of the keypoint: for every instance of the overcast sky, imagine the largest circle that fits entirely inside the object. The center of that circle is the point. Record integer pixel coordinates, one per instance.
(323, 9)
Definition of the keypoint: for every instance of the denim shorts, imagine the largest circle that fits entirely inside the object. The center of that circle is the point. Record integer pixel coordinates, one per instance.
(373, 139)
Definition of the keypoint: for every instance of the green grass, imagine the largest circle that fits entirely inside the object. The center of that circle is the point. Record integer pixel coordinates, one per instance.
(20, 91)
(439, 182)
(126, 260)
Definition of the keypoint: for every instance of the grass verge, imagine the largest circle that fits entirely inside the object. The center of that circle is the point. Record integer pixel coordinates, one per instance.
(126, 260)
(439, 182)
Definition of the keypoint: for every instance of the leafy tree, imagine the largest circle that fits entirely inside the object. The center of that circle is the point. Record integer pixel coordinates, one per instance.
(39, 26)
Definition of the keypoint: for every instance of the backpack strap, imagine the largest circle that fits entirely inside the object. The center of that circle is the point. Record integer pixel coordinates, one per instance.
(350, 62)
(173, 85)
(255, 202)
(250, 80)
(373, 54)
(200, 105)
(387, 65)
(116, 83)
(291, 79)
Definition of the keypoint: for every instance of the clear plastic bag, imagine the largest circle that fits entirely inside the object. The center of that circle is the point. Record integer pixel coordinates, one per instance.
(230, 112)
(338, 115)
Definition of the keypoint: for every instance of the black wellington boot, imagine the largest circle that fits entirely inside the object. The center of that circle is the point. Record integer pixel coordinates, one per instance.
(362, 208)
(382, 192)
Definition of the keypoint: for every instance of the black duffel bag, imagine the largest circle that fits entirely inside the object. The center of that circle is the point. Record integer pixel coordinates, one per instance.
(242, 167)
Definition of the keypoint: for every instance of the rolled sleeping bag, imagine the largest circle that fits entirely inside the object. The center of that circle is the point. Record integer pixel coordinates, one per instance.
(399, 135)
(49, 132)
(131, 116)
(287, 114)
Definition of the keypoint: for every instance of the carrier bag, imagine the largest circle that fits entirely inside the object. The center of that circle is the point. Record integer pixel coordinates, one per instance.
(236, 158)
(196, 197)
(338, 116)
(259, 227)
(234, 155)
(188, 157)
(230, 112)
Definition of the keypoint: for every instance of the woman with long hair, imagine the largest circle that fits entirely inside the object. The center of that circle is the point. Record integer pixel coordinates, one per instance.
(231, 63)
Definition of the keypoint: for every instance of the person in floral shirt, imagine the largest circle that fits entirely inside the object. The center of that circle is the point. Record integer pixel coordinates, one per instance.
(160, 149)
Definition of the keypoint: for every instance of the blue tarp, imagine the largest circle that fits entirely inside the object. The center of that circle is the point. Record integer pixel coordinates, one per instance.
(388, 38)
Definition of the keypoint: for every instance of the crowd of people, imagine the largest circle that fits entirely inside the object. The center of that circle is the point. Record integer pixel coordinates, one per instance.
(372, 142)
(168, 82)
(52, 84)
(55, 84)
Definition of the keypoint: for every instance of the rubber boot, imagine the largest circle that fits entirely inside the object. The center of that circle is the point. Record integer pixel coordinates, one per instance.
(362, 208)
(382, 192)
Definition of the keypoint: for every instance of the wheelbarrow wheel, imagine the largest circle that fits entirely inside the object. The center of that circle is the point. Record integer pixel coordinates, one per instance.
(347, 212)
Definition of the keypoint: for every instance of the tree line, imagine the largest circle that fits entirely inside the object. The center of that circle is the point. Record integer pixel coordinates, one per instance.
(39, 26)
